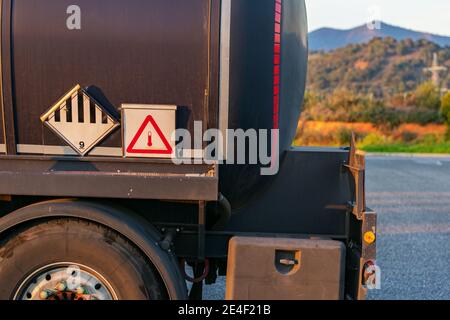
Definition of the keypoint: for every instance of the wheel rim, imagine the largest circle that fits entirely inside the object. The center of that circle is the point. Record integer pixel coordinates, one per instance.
(65, 281)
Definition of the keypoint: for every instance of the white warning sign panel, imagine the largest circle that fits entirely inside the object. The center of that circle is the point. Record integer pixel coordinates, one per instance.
(148, 131)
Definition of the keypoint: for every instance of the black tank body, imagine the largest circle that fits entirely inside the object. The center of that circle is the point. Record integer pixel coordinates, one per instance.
(159, 52)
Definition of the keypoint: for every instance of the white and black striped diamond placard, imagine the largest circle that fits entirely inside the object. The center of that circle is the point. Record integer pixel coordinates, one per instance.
(80, 120)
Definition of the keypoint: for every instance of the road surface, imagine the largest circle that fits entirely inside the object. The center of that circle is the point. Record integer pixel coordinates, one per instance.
(412, 197)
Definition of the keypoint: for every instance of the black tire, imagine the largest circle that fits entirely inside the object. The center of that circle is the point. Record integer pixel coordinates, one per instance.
(77, 241)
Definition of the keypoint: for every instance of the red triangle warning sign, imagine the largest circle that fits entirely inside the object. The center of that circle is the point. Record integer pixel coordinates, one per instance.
(146, 140)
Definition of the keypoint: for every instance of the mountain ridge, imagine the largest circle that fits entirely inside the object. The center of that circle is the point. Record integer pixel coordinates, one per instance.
(328, 39)
(381, 66)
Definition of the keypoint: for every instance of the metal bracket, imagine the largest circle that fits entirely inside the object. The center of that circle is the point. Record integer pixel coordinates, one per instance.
(201, 230)
(369, 235)
(357, 167)
(167, 242)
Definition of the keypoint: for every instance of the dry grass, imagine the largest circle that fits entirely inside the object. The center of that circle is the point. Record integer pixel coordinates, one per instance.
(422, 131)
(317, 133)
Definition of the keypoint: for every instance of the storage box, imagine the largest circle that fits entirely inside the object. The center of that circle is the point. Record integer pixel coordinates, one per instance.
(285, 269)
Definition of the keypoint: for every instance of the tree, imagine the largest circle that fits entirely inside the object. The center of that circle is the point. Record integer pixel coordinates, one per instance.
(427, 96)
(445, 111)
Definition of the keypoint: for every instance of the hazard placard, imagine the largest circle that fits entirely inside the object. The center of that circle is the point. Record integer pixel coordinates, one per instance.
(80, 120)
(148, 130)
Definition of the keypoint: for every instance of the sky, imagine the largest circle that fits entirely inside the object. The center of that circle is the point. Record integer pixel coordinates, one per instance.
(420, 15)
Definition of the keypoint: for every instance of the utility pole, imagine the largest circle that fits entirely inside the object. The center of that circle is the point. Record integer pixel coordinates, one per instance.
(436, 71)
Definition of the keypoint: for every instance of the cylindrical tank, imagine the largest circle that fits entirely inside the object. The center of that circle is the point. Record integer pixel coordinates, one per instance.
(269, 53)
(159, 52)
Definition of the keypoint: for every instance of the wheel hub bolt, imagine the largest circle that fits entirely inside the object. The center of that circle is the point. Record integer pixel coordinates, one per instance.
(81, 291)
(45, 294)
(61, 286)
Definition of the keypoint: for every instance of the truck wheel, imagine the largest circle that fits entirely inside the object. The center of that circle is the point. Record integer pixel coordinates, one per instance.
(69, 259)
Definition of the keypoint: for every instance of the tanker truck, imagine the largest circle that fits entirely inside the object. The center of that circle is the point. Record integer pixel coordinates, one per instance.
(109, 186)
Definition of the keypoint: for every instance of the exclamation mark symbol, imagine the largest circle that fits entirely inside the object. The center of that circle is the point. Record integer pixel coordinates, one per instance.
(150, 139)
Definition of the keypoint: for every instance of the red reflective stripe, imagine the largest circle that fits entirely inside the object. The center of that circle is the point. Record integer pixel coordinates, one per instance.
(276, 90)
(277, 48)
(276, 104)
(277, 59)
(277, 63)
(277, 38)
(278, 7)
(276, 70)
(276, 121)
(276, 80)
(277, 28)
(278, 17)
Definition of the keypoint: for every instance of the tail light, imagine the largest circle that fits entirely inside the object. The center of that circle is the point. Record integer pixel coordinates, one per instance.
(371, 275)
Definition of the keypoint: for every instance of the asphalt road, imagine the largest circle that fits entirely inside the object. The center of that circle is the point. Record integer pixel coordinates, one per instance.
(412, 197)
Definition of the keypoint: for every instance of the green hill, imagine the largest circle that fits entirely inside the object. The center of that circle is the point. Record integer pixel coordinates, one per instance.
(382, 67)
